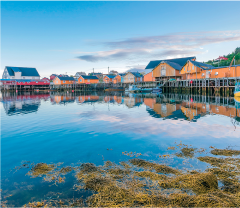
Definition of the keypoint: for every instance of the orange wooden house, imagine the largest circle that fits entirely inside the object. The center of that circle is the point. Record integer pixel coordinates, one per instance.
(197, 70)
(149, 77)
(59, 80)
(108, 78)
(166, 69)
(119, 78)
(83, 79)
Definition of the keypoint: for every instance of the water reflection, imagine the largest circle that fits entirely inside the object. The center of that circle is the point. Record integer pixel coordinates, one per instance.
(22, 103)
(96, 127)
(167, 106)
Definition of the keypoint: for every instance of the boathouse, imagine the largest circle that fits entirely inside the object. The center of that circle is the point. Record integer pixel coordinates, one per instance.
(53, 76)
(60, 80)
(166, 69)
(108, 78)
(11, 72)
(197, 70)
(148, 77)
(88, 79)
(119, 78)
(132, 77)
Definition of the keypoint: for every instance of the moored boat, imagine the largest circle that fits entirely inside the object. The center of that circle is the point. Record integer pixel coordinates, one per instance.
(157, 90)
(132, 88)
(145, 90)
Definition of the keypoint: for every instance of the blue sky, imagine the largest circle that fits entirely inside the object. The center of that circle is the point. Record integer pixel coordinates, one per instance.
(60, 37)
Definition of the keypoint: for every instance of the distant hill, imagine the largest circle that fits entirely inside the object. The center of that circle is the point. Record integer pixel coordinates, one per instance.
(230, 56)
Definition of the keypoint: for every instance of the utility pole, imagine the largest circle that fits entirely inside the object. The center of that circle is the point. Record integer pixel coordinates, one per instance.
(108, 70)
(93, 71)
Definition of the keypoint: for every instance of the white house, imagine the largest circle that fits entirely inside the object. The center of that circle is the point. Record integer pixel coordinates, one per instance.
(20, 73)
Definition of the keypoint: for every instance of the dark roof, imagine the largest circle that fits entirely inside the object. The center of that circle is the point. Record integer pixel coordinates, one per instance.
(88, 77)
(110, 76)
(136, 74)
(174, 65)
(203, 65)
(179, 61)
(66, 78)
(98, 73)
(25, 71)
(122, 74)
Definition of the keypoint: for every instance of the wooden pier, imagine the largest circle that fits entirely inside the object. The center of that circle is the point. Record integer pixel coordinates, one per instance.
(224, 86)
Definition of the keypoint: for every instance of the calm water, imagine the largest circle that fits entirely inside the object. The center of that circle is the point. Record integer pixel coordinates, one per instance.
(75, 128)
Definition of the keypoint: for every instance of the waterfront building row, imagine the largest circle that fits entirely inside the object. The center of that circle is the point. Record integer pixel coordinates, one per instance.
(158, 70)
(187, 69)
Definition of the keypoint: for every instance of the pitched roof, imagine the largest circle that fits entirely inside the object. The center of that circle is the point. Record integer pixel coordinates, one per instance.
(122, 74)
(25, 71)
(203, 65)
(110, 76)
(136, 74)
(88, 77)
(174, 65)
(66, 78)
(180, 61)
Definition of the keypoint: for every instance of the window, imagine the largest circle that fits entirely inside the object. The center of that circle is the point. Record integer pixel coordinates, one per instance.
(88, 80)
(163, 71)
(192, 67)
(36, 82)
(202, 74)
(184, 68)
(216, 73)
(63, 81)
(80, 80)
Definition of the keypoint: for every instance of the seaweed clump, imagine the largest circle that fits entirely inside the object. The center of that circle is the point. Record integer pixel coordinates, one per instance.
(199, 182)
(186, 152)
(225, 152)
(153, 166)
(139, 182)
(41, 169)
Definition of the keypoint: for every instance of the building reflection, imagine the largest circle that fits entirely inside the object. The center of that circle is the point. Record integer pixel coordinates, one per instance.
(191, 107)
(166, 106)
(22, 103)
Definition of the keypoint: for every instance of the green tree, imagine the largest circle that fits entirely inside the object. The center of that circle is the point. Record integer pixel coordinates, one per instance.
(237, 50)
(237, 57)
